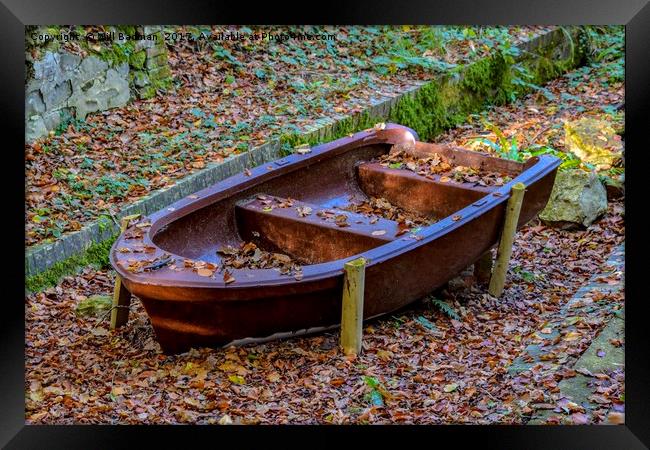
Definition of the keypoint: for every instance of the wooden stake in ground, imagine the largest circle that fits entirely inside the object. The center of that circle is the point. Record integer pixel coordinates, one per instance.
(121, 296)
(352, 309)
(513, 209)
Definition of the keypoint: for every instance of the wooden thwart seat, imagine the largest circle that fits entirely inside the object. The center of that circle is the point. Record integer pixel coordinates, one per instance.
(310, 232)
(464, 157)
(416, 193)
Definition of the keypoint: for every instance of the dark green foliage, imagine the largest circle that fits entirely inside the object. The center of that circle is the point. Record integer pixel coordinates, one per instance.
(96, 255)
(444, 307)
(605, 50)
(424, 112)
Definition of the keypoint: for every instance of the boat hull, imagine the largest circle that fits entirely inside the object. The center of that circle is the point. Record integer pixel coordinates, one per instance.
(188, 314)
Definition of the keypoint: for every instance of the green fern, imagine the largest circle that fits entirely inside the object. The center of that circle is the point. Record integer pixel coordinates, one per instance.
(445, 308)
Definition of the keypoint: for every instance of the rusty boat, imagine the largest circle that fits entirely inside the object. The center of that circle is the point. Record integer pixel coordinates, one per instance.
(171, 260)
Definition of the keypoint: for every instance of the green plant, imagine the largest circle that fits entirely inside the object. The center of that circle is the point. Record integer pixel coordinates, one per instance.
(67, 120)
(528, 277)
(509, 148)
(444, 307)
(377, 391)
(605, 50)
(504, 147)
(569, 160)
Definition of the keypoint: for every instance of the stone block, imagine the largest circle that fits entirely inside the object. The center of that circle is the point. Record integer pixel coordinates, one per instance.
(89, 69)
(140, 79)
(69, 62)
(112, 92)
(160, 73)
(123, 70)
(56, 95)
(48, 69)
(52, 119)
(156, 50)
(119, 86)
(35, 128)
(34, 104)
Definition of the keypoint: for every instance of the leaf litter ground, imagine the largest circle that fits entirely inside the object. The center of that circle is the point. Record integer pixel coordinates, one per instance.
(426, 367)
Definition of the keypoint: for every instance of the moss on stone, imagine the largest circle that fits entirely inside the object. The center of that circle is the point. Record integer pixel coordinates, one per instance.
(95, 305)
(115, 54)
(137, 59)
(147, 92)
(160, 73)
(446, 102)
(96, 255)
(423, 111)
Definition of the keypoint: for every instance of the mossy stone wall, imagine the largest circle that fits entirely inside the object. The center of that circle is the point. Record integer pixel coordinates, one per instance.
(100, 75)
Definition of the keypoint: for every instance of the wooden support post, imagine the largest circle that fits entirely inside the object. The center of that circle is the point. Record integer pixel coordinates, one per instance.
(513, 209)
(352, 309)
(121, 296)
(483, 267)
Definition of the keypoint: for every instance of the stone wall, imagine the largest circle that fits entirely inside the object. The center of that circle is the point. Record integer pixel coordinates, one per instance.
(65, 85)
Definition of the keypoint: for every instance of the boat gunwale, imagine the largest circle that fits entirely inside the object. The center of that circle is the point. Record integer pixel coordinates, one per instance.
(541, 166)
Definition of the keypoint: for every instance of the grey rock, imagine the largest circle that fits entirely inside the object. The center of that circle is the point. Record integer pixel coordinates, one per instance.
(111, 92)
(69, 62)
(52, 119)
(56, 95)
(578, 198)
(120, 86)
(48, 69)
(88, 100)
(33, 104)
(123, 69)
(35, 128)
(63, 83)
(90, 68)
(33, 85)
(140, 79)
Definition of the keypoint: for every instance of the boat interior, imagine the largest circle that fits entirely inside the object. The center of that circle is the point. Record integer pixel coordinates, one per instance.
(305, 213)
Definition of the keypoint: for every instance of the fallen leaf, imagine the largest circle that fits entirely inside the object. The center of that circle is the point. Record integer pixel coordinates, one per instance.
(451, 387)
(237, 379)
(273, 377)
(225, 420)
(228, 278)
(205, 272)
(616, 418)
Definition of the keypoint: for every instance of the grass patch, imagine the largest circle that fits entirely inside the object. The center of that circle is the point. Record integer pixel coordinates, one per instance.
(96, 256)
